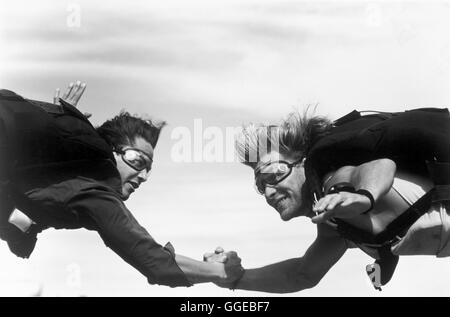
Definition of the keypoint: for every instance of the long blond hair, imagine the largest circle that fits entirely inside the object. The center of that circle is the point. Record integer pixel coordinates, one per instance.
(294, 136)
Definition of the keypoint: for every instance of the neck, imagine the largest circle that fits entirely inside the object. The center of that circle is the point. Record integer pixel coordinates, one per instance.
(307, 202)
(306, 211)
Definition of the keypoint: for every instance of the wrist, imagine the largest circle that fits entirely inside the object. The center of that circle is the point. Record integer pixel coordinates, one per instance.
(234, 284)
(369, 195)
(217, 272)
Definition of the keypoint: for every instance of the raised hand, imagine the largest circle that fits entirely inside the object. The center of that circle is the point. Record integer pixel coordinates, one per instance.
(72, 95)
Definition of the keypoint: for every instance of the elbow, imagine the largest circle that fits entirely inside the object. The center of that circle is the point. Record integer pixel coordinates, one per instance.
(389, 164)
(171, 280)
(310, 283)
(384, 165)
(389, 168)
(302, 282)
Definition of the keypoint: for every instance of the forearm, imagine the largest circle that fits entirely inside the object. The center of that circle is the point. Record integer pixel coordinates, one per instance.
(281, 277)
(200, 272)
(375, 176)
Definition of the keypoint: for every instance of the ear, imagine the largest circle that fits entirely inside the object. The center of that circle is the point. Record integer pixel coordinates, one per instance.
(116, 156)
(302, 164)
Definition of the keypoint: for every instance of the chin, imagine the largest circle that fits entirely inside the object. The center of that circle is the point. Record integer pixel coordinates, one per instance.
(125, 195)
(289, 213)
(286, 215)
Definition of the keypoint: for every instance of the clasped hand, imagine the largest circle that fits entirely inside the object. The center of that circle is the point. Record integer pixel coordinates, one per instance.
(231, 262)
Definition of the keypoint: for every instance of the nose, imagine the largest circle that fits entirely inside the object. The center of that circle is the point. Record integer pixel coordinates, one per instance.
(143, 175)
(269, 191)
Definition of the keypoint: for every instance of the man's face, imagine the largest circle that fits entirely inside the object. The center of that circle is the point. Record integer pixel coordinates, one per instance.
(285, 196)
(132, 178)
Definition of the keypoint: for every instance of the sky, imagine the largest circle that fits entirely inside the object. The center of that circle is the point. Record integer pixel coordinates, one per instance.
(226, 63)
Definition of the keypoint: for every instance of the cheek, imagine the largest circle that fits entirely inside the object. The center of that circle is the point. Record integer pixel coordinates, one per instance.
(292, 186)
(130, 174)
(125, 171)
(297, 197)
(297, 180)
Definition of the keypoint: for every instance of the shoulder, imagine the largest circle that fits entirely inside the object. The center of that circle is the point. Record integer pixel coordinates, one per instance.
(100, 204)
(91, 191)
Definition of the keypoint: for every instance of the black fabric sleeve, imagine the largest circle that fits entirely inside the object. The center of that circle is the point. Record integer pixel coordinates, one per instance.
(122, 233)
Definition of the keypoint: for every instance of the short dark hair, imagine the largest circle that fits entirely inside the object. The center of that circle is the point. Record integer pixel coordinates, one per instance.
(124, 128)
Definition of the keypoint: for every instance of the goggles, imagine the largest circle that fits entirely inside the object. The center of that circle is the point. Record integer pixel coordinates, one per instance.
(272, 173)
(136, 158)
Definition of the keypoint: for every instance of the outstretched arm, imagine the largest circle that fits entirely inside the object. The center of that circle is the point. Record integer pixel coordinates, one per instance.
(201, 272)
(104, 212)
(296, 274)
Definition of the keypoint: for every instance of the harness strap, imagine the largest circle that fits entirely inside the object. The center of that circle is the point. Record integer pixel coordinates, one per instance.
(402, 223)
(393, 232)
(383, 241)
(381, 272)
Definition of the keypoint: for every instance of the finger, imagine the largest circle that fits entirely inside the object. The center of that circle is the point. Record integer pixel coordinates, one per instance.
(334, 202)
(222, 259)
(73, 92)
(323, 217)
(78, 93)
(207, 256)
(68, 90)
(347, 202)
(56, 97)
(322, 204)
(219, 250)
(318, 219)
(80, 90)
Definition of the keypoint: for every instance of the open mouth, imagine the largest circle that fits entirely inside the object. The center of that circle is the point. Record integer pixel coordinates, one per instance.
(134, 185)
(279, 203)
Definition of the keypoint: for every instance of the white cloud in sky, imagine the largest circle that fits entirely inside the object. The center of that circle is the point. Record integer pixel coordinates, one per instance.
(254, 55)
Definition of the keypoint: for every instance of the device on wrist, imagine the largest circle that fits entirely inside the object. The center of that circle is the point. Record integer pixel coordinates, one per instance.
(348, 187)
